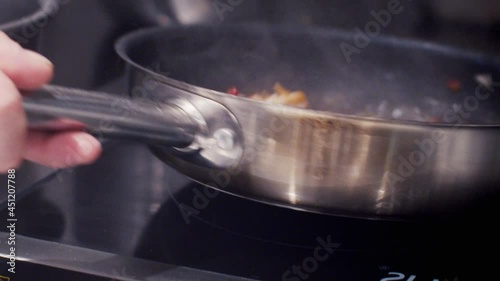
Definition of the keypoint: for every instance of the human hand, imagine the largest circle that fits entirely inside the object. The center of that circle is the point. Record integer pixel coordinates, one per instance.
(22, 69)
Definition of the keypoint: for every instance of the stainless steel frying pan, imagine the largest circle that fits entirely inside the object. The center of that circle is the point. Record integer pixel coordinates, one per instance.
(365, 148)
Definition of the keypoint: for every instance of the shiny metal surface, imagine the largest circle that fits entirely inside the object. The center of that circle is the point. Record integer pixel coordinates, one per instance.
(108, 116)
(219, 144)
(210, 139)
(329, 162)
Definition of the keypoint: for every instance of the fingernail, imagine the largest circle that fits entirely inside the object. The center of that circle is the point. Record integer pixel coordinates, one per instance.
(39, 59)
(87, 145)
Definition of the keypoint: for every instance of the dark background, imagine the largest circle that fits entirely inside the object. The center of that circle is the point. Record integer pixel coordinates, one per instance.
(80, 38)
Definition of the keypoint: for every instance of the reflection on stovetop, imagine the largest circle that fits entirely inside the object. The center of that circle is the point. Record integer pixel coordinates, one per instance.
(131, 204)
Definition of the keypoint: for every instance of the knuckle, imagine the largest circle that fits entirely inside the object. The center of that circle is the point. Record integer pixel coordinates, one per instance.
(16, 48)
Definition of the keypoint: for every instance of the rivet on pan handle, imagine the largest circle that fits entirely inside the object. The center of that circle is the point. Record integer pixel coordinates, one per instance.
(219, 140)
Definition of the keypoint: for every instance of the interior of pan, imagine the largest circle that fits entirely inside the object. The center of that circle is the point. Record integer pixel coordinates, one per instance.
(385, 77)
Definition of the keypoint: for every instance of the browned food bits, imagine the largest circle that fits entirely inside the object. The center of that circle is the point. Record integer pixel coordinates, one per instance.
(280, 95)
(454, 85)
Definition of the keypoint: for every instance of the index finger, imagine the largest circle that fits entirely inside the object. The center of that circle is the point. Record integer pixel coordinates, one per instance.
(27, 69)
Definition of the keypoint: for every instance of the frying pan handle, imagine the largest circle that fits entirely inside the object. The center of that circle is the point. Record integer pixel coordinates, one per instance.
(55, 108)
(176, 126)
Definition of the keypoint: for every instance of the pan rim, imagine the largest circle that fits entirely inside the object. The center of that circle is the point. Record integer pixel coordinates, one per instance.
(123, 44)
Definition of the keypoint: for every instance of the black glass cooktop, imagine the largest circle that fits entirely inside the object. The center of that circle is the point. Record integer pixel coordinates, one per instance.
(132, 205)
